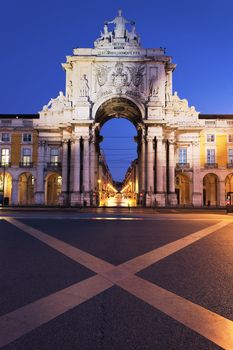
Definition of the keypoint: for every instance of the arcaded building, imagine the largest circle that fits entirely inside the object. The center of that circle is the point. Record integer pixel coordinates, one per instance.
(53, 158)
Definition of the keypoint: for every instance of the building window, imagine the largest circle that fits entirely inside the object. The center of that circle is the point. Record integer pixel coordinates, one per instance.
(230, 138)
(210, 138)
(27, 137)
(230, 156)
(182, 155)
(54, 156)
(26, 156)
(5, 137)
(5, 156)
(210, 156)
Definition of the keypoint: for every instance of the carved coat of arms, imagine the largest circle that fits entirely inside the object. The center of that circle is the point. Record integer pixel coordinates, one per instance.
(120, 76)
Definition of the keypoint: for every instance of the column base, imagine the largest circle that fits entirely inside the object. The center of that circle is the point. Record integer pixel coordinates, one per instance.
(75, 199)
(39, 198)
(197, 199)
(80, 199)
(63, 199)
(160, 199)
(155, 200)
(172, 199)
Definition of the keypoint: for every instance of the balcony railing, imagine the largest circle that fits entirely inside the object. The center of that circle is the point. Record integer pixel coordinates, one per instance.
(5, 165)
(26, 164)
(211, 165)
(230, 165)
(180, 166)
(53, 166)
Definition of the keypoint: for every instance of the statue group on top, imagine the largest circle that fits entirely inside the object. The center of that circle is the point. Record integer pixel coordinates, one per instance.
(119, 33)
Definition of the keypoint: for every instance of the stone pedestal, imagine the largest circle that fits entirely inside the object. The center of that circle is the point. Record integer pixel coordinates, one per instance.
(75, 199)
(160, 199)
(172, 199)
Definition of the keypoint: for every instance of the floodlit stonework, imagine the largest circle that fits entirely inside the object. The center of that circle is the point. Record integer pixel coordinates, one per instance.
(184, 157)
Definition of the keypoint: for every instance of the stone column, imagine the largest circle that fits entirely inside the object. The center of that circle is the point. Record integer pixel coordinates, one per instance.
(143, 170)
(64, 171)
(86, 168)
(159, 166)
(92, 164)
(221, 200)
(172, 199)
(40, 188)
(76, 178)
(160, 178)
(150, 165)
(15, 192)
(197, 185)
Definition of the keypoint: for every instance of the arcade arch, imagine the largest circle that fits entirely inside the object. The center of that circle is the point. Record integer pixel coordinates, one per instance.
(183, 189)
(26, 189)
(53, 186)
(5, 187)
(210, 189)
(229, 188)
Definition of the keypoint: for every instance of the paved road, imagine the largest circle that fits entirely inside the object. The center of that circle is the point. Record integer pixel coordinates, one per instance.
(109, 280)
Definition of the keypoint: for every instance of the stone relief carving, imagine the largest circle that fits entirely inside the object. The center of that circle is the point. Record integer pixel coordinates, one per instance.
(120, 76)
(153, 88)
(84, 87)
(180, 106)
(115, 78)
(138, 72)
(57, 104)
(102, 74)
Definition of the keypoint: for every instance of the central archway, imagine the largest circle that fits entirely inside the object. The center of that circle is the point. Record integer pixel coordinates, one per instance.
(110, 192)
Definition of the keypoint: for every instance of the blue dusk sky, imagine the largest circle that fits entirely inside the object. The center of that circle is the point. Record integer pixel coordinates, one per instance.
(36, 36)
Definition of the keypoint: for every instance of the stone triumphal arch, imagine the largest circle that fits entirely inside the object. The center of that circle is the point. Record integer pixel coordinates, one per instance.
(116, 78)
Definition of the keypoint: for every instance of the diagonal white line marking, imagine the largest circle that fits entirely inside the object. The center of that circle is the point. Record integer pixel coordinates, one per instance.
(23, 320)
(210, 325)
(141, 262)
(91, 262)
(121, 275)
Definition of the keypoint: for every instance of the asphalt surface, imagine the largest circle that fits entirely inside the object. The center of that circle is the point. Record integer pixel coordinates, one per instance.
(30, 270)
(115, 319)
(202, 272)
(117, 241)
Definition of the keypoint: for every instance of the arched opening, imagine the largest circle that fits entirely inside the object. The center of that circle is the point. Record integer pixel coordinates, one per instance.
(26, 189)
(118, 133)
(183, 189)
(210, 190)
(229, 189)
(5, 188)
(53, 188)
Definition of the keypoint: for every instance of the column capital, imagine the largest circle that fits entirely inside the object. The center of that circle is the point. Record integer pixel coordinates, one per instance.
(86, 138)
(41, 143)
(150, 138)
(159, 139)
(65, 141)
(171, 141)
(75, 138)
